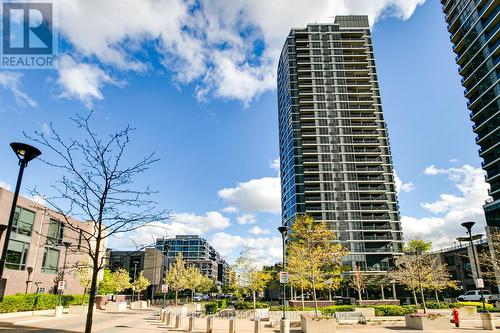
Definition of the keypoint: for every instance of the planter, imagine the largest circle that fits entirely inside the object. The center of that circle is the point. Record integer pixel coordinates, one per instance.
(367, 312)
(116, 306)
(427, 323)
(139, 305)
(467, 311)
(488, 321)
(292, 315)
(318, 324)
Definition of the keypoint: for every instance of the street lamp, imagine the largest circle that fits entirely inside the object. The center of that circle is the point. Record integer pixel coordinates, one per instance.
(283, 231)
(66, 246)
(133, 284)
(24, 153)
(468, 226)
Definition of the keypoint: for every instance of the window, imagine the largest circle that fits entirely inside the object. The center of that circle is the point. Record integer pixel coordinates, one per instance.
(55, 232)
(16, 255)
(23, 221)
(50, 260)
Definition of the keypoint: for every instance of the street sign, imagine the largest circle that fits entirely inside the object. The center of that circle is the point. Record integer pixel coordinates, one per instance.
(283, 277)
(61, 285)
(480, 283)
(164, 288)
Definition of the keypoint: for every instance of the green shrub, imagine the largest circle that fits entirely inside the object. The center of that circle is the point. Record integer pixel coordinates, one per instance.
(249, 305)
(394, 310)
(479, 305)
(291, 308)
(329, 310)
(211, 307)
(222, 304)
(30, 302)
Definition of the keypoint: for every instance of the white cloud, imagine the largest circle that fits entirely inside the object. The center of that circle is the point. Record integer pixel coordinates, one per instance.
(256, 230)
(256, 195)
(5, 185)
(275, 164)
(246, 219)
(12, 81)
(228, 49)
(400, 186)
(266, 250)
(180, 224)
(230, 209)
(451, 209)
(39, 200)
(82, 81)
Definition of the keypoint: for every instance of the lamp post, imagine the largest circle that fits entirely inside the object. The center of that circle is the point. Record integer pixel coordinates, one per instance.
(283, 230)
(468, 226)
(133, 284)
(3, 227)
(166, 247)
(66, 246)
(25, 153)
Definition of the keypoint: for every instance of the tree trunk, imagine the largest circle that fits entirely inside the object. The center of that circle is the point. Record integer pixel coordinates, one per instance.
(415, 296)
(423, 299)
(437, 296)
(360, 296)
(93, 288)
(302, 296)
(192, 295)
(176, 297)
(254, 301)
(314, 296)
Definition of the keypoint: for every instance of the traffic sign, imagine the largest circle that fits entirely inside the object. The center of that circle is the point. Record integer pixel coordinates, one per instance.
(164, 288)
(283, 277)
(61, 285)
(480, 283)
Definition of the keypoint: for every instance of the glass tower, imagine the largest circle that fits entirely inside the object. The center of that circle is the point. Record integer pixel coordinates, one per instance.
(474, 28)
(335, 158)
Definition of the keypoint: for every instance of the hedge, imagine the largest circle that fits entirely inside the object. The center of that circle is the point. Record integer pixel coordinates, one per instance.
(211, 307)
(329, 310)
(249, 305)
(448, 305)
(30, 302)
(222, 304)
(394, 310)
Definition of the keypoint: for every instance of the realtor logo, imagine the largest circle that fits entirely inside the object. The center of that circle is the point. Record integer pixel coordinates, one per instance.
(28, 35)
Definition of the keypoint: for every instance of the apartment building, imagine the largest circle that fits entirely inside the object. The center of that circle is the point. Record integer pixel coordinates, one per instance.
(334, 149)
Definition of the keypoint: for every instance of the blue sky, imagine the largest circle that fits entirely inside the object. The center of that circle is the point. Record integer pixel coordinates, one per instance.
(197, 81)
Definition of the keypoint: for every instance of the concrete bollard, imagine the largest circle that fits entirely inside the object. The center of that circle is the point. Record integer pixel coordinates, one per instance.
(178, 321)
(192, 323)
(284, 326)
(232, 325)
(488, 321)
(257, 328)
(210, 324)
(58, 312)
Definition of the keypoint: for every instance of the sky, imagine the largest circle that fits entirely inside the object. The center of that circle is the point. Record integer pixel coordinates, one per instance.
(197, 81)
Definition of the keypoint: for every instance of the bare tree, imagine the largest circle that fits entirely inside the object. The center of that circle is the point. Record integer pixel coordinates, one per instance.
(490, 259)
(97, 186)
(357, 281)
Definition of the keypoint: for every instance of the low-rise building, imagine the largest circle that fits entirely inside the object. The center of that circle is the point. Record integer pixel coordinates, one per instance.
(36, 250)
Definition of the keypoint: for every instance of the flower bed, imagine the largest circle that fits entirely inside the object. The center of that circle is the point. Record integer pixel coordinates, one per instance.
(318, 324)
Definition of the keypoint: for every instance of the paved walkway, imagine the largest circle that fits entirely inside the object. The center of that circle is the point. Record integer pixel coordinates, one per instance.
(147, 321)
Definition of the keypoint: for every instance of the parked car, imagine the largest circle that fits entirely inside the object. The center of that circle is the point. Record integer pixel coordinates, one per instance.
(205, 297)
(475, 296)
(197, 297)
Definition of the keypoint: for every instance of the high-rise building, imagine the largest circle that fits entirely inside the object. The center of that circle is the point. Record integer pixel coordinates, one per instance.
(335, 158)
(195, 250)
(474, 28)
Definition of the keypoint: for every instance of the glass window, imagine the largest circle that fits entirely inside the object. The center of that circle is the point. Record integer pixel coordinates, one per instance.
(17, 252)
(55, 232)
(23, 221)
(50, 260)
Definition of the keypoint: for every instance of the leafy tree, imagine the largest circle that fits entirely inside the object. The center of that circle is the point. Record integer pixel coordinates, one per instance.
(358, 282)
(97, 186)
(312, 242)
(177, 276)
(84, 275)
(107, 284)
(140, 284)
(439, 278)
(298, 277)
(194, 279)
(121, 279)
(206, 284)
(490, 260)
(249, 274)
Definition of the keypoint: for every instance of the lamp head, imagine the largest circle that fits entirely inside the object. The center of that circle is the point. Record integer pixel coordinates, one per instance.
(468, 225)
(283, 230)
(67, 244)
(24, 151)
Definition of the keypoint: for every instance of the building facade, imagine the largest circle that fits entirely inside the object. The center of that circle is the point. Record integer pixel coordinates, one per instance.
(334, 150)
(475, 35)
(195, 250)
(35, 255)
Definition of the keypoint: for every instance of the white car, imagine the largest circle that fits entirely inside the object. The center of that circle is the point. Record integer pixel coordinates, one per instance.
(475, 296)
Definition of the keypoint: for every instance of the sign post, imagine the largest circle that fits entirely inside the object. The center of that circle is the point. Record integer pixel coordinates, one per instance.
(164, 290)
(284, 277)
